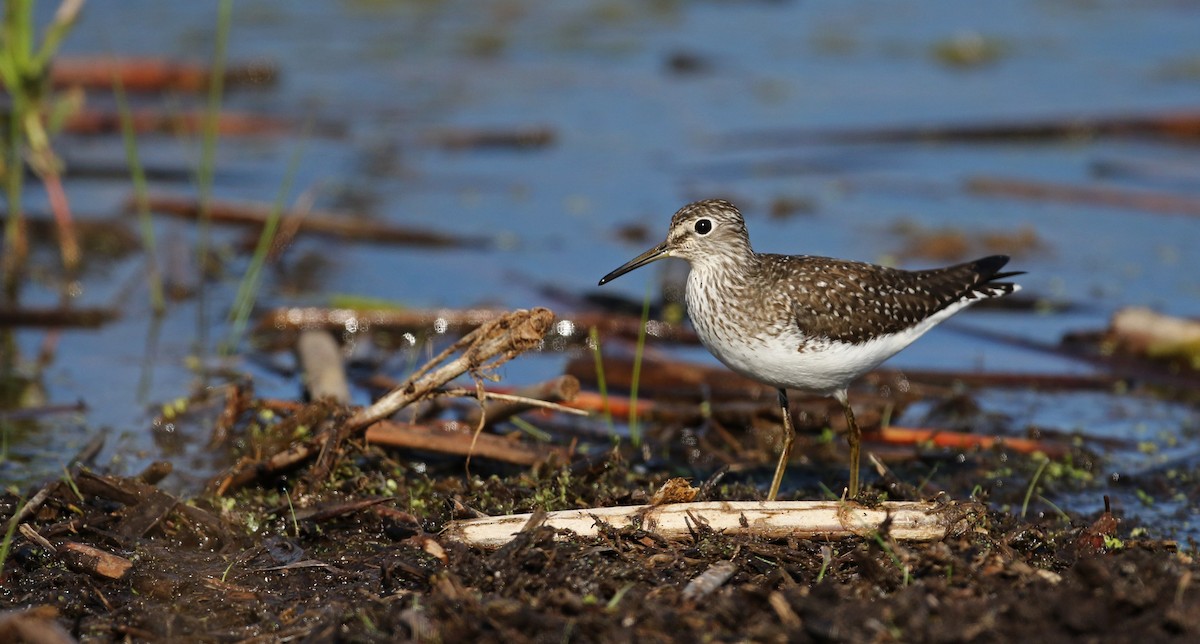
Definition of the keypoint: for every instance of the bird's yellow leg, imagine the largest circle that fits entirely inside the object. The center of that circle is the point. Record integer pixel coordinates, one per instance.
(789, 435)
(854, 438)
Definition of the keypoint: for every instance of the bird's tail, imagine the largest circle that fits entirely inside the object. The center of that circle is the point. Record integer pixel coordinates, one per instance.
(988, 273)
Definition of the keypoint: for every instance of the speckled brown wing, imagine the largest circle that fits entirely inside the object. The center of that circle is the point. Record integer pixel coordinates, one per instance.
(853, 302)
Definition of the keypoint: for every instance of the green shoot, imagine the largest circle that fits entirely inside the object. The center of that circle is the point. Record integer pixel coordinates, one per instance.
(64, 19)
(70, 481)
(292, 511)
(635, 433)
(15, 241)
(140, 192)
(925, 481)
(247, 293)
(617, 597)
(826, 560)
(206, 171)
(597, 355)
(1032, 485)
(225, 574)
(6, 544)
(534, 431)
(892, 555)
(24, 72)
(365, 620)
(1057, 510)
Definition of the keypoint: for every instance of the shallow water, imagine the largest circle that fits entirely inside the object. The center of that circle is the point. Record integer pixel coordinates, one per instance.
(633, 141)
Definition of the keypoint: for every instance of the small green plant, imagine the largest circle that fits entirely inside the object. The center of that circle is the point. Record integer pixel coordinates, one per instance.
(553, 494)
(365, 620)
(635, 432)
(893, 556)
(4, 428)
(70, 481)
(617, 597)
(225, 573)
(33, 115)
(925, 481)
(292, 511)
(1057, 510)
(1113, 543)
(6, 545)
(601, 382)
(826, 561)
(247, 292)
(1032, 486)
(532, 430)
(140, 198)
(206, 170)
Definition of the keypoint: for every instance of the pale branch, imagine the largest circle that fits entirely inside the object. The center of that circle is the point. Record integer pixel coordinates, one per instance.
(903, 520)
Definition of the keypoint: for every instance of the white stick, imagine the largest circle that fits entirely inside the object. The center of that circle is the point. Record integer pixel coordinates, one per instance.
(910, 520)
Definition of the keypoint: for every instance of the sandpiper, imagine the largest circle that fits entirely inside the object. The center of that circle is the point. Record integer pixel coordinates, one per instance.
(803, 322)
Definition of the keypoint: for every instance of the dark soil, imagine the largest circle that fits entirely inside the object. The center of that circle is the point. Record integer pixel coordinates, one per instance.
(327, 565)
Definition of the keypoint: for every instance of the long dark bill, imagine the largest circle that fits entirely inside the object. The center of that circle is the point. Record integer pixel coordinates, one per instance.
(656, 253)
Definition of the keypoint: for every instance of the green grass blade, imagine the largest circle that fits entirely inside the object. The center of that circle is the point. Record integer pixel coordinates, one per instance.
(535, 432)
(60, 26)
(14, 165)
(635, 432)
(140, 192)
(6, 544)
(1033, 485)
(16, 41)
(208, 159)
(247, 294)
(601, 381)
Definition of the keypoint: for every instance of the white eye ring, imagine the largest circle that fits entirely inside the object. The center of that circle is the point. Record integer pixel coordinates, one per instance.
(704, 226)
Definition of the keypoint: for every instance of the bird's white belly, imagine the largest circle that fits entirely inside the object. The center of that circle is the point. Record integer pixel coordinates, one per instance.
(823, 367)
(783, 357)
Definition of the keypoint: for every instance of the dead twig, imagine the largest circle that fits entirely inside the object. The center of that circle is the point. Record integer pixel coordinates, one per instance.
(920, 380)
(484, 349)
(328, 224)
(518, 138)
(568, 329)
(459, 439)
(145, 121)
(1105, 196)
(1182, 124)
(80, 556)
(140, 74)
(89, 318)
(906, 520)
(498, 406)
(707, 582)
(488, 347)
(959, 440)
(323, 367)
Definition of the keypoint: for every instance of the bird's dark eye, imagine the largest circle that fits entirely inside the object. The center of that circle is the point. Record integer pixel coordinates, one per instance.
(704, 226)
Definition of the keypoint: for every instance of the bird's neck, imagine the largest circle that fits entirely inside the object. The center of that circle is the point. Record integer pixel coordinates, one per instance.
(728, 268)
